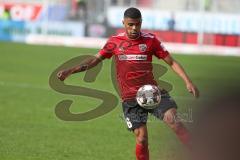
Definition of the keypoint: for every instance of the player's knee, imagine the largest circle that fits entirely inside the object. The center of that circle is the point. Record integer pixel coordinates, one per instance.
(142, 140)
(170, 117)
(141, 136)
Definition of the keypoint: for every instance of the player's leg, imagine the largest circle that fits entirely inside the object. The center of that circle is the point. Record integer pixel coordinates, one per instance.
(142, 152)
(136, 119)
(170, 118)
(167, 111)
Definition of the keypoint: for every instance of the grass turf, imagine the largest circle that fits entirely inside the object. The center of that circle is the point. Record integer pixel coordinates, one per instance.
(29, 128)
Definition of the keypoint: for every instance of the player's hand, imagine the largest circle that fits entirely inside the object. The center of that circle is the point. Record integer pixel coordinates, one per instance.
(62, 75)
(193, 89)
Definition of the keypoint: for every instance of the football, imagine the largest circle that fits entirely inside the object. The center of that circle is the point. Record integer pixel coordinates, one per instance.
(148, 96)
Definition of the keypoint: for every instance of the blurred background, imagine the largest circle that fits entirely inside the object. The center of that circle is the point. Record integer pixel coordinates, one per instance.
(201, 22)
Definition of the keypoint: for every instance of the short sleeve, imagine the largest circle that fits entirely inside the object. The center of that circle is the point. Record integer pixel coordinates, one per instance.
(108, 49)
(159, 50)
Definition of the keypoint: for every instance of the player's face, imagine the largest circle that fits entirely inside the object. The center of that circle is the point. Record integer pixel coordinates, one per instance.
(132, 27)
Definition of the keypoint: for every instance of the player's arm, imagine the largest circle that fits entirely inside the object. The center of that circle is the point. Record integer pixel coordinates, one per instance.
(85, 65)
(181, 72)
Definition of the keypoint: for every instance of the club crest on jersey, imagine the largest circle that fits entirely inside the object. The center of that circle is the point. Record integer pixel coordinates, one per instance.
(142, 47)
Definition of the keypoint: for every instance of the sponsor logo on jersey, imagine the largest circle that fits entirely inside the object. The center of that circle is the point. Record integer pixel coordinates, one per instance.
(142, 47)
(132, 57)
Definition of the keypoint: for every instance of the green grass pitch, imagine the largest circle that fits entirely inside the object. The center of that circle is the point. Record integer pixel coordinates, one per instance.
(30, 130)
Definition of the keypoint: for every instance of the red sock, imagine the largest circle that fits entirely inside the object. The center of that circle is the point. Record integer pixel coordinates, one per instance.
(142, 152)
(184, 136)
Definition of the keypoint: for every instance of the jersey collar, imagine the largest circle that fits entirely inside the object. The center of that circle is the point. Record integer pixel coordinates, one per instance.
(139, 36)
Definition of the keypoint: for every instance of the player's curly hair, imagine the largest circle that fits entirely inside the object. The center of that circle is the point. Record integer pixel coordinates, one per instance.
(132, 13)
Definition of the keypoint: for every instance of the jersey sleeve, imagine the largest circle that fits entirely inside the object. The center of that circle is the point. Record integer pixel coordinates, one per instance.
(108, 49)
(159, 50)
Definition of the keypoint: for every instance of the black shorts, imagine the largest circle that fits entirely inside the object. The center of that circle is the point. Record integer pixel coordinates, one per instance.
(135, 116)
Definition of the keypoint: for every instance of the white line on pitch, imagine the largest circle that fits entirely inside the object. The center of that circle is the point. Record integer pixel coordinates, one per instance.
(42, 87)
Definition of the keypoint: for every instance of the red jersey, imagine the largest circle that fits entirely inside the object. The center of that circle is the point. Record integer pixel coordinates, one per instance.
(133, 59)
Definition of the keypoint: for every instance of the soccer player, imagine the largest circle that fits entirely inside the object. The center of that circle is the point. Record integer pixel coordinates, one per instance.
(133, 51)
